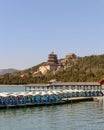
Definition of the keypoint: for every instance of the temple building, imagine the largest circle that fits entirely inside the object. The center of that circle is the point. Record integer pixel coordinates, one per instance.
(71, 56)
(51, 64)
(54, 64)
(52, 58)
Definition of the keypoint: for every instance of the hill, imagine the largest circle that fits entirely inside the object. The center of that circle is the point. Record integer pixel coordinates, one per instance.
(88, 68)
(5, 71)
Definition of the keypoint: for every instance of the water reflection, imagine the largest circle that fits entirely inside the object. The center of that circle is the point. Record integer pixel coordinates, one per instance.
(79, 116)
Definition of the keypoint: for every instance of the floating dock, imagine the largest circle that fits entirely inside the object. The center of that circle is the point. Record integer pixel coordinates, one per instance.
(77, 99)
(52, 94)
(43, 98)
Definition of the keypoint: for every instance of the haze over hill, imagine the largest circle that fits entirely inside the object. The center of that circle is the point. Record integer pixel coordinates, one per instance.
(5, 71)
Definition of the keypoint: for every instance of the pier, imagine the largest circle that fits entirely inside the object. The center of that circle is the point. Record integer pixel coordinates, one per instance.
(52, 94)
(41, 98)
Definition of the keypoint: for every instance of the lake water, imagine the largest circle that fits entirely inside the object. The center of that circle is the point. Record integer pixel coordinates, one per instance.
(78, 116)
(12, 88)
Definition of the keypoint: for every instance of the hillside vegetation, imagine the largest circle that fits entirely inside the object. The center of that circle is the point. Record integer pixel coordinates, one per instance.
(82, 69)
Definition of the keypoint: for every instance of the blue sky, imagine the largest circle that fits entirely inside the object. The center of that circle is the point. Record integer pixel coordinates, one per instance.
(31, 29)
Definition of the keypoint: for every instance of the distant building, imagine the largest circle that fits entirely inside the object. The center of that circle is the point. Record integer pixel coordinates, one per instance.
(70, 56)
(53, 64)
(52, 58)
(50, 65)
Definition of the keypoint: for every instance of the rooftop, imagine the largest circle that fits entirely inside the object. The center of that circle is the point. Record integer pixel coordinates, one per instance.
(65, 84)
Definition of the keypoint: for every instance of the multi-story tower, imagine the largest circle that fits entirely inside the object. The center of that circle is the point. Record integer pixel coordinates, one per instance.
(52, 58)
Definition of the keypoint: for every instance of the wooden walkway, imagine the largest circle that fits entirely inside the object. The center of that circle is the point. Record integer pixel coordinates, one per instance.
(77, 99)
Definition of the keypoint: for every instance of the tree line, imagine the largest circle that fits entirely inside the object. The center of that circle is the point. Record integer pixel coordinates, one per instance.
(83, 69)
